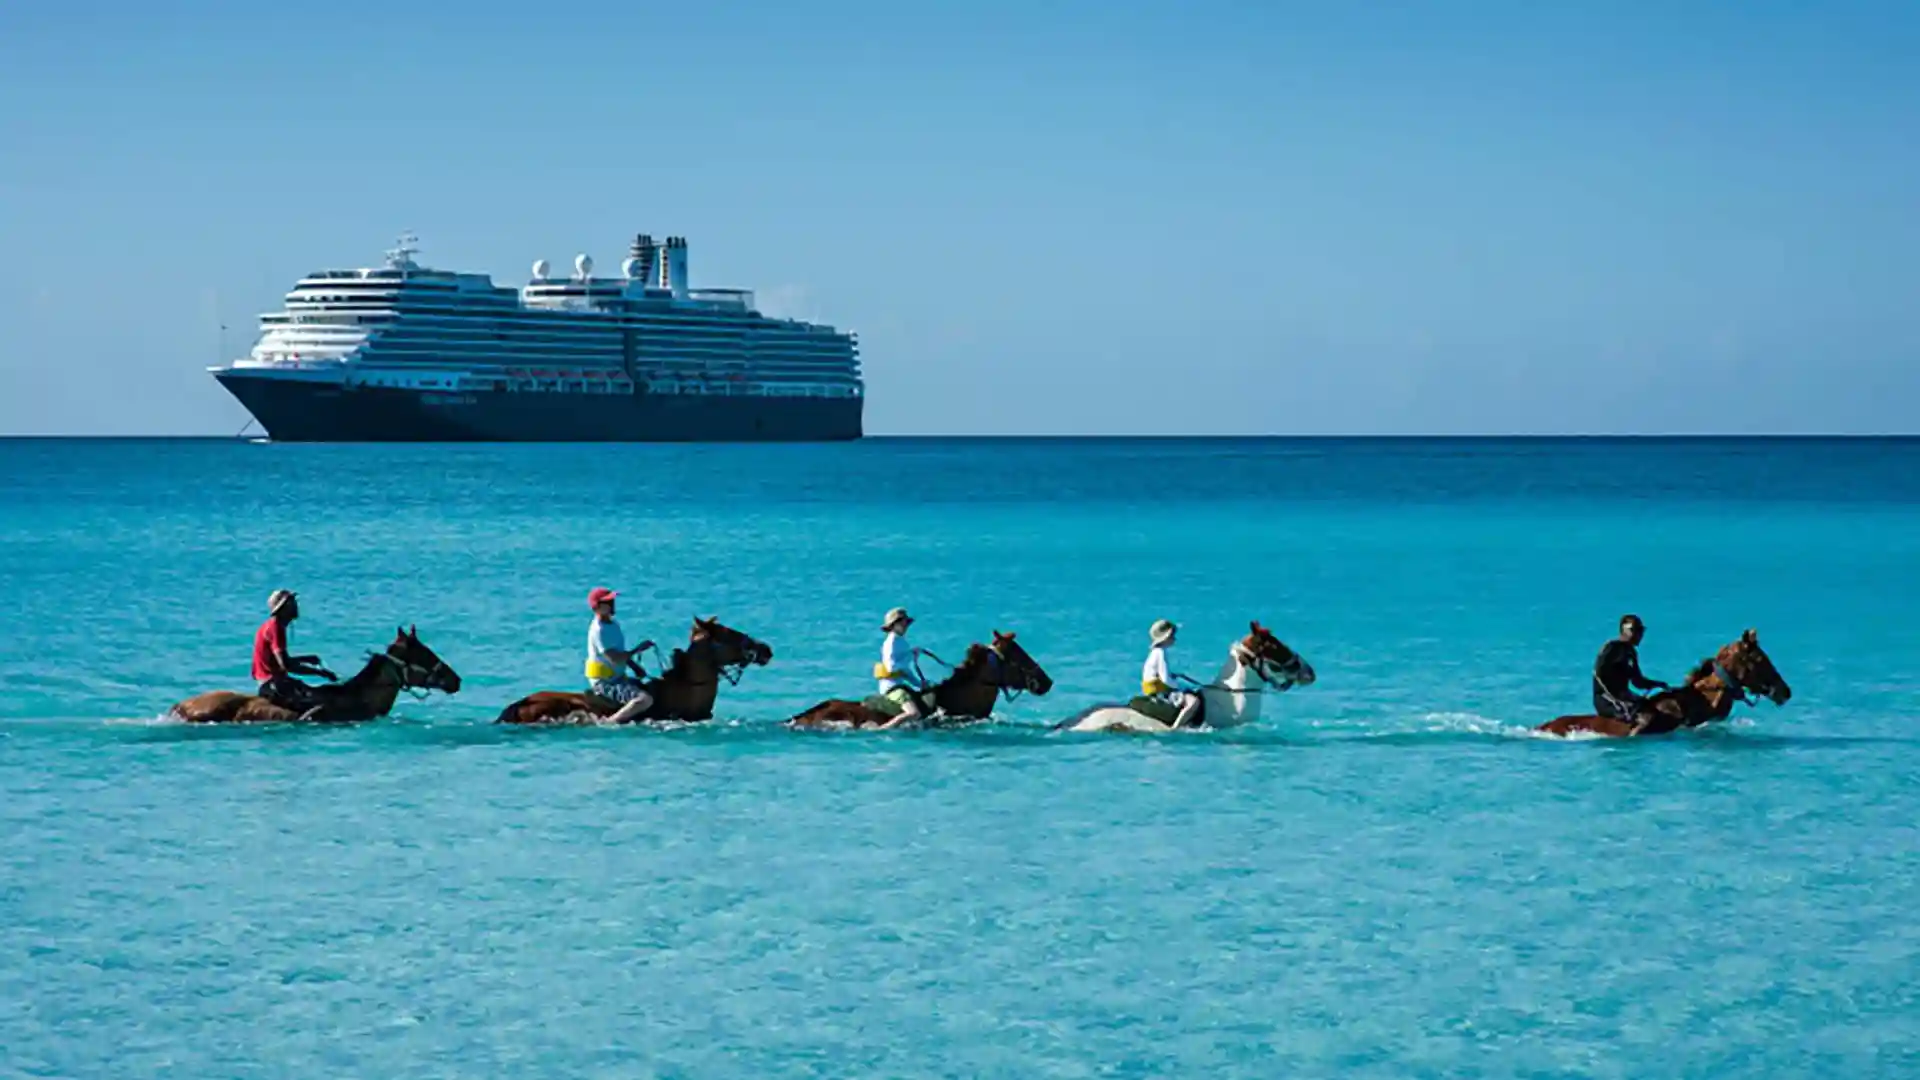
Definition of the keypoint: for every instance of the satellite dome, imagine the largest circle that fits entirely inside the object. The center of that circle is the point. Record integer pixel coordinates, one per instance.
(539, 269)
(631, 268)
(583, 264)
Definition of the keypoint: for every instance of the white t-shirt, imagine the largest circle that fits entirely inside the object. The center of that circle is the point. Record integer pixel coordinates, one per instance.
(1155, 669)
(897, 655)
(601, 636)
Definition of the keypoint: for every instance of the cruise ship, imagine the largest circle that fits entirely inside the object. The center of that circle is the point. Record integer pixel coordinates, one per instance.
(403, 352)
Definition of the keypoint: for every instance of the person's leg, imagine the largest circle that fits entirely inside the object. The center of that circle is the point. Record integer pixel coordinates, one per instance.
(1189, 711)
(634, 702)
(909, 709)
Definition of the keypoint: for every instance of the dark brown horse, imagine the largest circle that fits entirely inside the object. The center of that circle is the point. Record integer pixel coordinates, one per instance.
(1711, 691)
(685, 691)
(407, 664)
(968, 694)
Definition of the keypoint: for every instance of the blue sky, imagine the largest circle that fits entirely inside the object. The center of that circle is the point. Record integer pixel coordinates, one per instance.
(1041, 218)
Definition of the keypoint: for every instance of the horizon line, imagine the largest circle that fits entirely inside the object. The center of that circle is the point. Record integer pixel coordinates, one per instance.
(1133, 437)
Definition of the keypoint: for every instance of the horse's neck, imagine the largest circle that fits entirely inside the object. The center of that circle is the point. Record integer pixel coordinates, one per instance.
(693, 680)
(376, 685)
(966, 692)
(1236, 677)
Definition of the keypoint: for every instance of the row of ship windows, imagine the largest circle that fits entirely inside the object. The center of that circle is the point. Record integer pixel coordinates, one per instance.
(575, 386)
(678, 318)
(589, 357)
(599, 358)
(760, 366)
(602, 340)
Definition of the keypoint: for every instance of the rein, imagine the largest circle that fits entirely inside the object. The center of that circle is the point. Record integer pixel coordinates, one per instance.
(418, 690)
(1734, 686)
(1258, 665)
(733, 672)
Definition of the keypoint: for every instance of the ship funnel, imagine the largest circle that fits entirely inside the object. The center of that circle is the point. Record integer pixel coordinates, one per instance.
(676, 273)
(644, 255)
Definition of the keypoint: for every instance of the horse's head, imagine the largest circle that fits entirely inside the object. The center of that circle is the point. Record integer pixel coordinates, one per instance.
(1753, 669)
(419, 667)
(1020, 671)
(731, 648)
(1269, 657)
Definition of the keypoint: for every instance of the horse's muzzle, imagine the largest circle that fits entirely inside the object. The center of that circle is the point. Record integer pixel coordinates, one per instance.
(759, 653)
(1781, 694)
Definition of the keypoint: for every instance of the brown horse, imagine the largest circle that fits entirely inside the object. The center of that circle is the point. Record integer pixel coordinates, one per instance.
(685, 691)
(407, 664)
(1711, 691)
(968, 694)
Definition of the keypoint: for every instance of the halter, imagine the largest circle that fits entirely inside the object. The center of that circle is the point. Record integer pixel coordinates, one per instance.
(1733, 685)
(1000, 667)
(418, 688)
(732, 672)
(1258, 665)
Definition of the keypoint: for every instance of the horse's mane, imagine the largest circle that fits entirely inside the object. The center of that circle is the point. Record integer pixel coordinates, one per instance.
(1701, 670)
(365, 675)
(975, 659)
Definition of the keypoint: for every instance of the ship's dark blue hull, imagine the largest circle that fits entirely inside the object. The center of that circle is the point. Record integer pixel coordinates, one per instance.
(299, 411)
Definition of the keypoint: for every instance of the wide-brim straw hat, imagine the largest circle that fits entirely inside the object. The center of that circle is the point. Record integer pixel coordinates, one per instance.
(1162, 632)
(893, 617)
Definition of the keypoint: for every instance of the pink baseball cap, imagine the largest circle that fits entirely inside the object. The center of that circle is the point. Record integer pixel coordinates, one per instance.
(595, 597)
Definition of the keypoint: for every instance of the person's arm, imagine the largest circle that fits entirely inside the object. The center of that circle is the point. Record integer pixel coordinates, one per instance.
(296, 665)
(631, 659)
(1609, 670)
(1639, 680)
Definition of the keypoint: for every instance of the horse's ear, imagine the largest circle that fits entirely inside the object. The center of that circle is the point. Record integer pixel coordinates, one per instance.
(1256, 628)
(1751, 637)
(399, 631)
(413, 631)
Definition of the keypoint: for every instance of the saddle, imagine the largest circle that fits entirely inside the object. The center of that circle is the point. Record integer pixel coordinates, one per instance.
(890, 708)
(1164, 711)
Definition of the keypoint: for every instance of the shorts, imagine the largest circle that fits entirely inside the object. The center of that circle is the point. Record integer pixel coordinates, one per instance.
(289, 693)
(618, 689)
(903, 697)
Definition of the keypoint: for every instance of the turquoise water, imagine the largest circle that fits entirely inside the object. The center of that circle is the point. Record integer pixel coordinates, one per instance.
(1388, 877)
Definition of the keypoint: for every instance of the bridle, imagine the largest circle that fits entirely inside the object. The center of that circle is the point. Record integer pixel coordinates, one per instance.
(1260, 666)
(732, 672)
(416, 679)
(1741, 695)
(1001, 666)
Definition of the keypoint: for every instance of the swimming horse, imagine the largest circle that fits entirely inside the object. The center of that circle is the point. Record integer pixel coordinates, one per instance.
(1255, 663)
(407, 664)
(1727, 678)
(968, 694)
(685, 691)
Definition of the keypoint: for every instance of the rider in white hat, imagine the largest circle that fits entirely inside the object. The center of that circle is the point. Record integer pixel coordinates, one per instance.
(1157, 682)
(274, 667)
(900, 683)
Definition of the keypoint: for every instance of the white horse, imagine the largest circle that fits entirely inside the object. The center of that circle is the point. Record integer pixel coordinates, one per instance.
(1255, 663)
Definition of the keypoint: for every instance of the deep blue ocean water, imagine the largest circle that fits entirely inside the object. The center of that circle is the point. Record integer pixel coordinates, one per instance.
(1388, 877)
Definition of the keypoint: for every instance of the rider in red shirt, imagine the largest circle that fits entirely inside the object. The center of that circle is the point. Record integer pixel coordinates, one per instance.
(274, 669)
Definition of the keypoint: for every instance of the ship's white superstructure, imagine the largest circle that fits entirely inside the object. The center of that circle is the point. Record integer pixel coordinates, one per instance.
(406, 326)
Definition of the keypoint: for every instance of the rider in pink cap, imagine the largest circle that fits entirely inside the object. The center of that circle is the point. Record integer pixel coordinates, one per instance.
(609, 660)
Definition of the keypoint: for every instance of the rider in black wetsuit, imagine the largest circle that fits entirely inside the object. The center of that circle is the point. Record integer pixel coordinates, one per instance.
(1616, 673)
